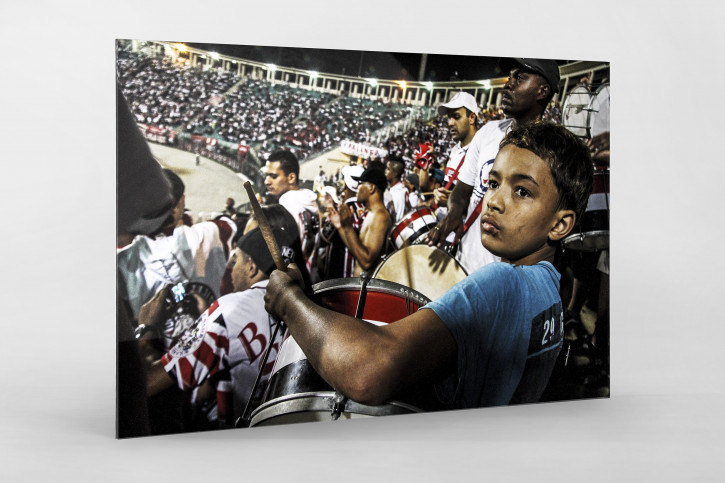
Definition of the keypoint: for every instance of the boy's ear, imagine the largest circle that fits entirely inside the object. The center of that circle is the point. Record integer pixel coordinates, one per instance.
(565, 220)
(292, 178)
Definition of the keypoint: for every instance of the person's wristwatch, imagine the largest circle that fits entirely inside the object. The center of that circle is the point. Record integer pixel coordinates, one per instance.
(142, 329)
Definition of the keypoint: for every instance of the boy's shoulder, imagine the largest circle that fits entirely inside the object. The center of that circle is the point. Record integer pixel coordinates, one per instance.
(501, 273)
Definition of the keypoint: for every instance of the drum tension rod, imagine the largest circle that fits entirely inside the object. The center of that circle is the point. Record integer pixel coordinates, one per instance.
(338, 405)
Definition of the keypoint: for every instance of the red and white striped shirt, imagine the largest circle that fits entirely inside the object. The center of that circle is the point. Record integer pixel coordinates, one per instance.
(226, 346)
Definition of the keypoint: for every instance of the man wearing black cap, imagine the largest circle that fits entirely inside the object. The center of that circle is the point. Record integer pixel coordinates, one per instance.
(368, 246)
(228, 341)
(531, 85)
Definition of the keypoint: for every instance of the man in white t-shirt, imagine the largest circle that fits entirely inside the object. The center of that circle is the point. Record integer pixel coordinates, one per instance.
(198, 253)
(462, 115)
(396, 195)
(282, 182)
(531, 85)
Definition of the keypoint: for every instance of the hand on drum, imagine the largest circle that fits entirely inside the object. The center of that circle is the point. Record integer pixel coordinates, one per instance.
(155, 311)
(341, 217)
(440, 195)
(280, 285)
(599, 147)
(437, 236)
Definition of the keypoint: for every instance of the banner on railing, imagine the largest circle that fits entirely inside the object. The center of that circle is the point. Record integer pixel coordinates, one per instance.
(362, 150)
(157, 134)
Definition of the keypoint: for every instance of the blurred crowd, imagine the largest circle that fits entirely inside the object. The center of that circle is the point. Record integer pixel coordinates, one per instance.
(239, 109)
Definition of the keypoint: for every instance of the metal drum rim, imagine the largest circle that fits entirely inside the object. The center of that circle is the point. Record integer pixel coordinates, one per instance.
(320, 403)
(373, 285)
(581, 236)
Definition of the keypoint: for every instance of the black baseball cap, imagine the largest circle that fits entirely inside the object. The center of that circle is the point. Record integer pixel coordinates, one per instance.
(375, 176)
(547, 68)
(253, 244)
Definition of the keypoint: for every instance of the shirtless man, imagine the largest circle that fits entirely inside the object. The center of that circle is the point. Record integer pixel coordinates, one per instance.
(368, 247)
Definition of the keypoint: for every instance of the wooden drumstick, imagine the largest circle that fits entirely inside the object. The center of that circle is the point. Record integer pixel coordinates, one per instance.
(266, 230)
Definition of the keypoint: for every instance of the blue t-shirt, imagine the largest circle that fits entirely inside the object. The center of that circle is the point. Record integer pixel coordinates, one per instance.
(508, 324)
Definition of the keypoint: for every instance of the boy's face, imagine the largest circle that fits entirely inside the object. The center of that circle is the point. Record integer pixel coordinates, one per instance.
(520, 208)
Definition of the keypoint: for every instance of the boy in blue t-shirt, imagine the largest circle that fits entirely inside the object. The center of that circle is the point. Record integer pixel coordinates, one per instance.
(493, 338)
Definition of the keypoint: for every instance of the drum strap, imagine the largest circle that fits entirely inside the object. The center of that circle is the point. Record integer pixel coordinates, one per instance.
(473, 217)
(454, 177)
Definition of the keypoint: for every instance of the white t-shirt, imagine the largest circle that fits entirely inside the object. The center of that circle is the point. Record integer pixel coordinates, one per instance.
(455, 158)
(479, 160)
(296, 202)
(197, 253)
(396, 201)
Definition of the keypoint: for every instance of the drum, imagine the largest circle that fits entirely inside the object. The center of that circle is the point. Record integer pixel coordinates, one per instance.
(296, 393)
(581, 111)
(575, 113)
(413, 227)
(428, 270)
(591, 234)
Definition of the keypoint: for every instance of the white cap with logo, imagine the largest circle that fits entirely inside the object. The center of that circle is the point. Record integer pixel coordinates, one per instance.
(348, 172)
(461, 99)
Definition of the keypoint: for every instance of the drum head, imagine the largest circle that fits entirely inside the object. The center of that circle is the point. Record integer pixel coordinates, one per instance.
(428, 270)
(599, 108)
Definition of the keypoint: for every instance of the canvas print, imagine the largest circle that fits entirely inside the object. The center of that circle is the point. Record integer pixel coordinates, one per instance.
(308, 235)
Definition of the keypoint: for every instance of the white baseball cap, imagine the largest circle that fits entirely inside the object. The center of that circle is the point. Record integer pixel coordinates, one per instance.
(348, 172)
(461, 99)
(330, 190)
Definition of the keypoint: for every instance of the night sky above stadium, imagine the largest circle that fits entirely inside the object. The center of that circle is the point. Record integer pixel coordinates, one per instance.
(381, 65)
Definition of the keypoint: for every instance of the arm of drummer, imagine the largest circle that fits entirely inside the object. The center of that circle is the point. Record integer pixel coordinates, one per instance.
(457, 205)
(599, 148)
(367, 247)
(365, 362)
(152, 314)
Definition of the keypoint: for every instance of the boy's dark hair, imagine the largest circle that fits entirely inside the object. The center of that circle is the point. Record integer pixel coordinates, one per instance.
(568, 159)
(287, 161)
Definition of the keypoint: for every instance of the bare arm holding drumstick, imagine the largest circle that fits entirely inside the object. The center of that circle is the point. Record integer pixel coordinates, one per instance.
(365, 362)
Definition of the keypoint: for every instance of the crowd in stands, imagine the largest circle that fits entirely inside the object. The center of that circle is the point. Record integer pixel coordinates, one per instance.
(165, 94)
(259, 113)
